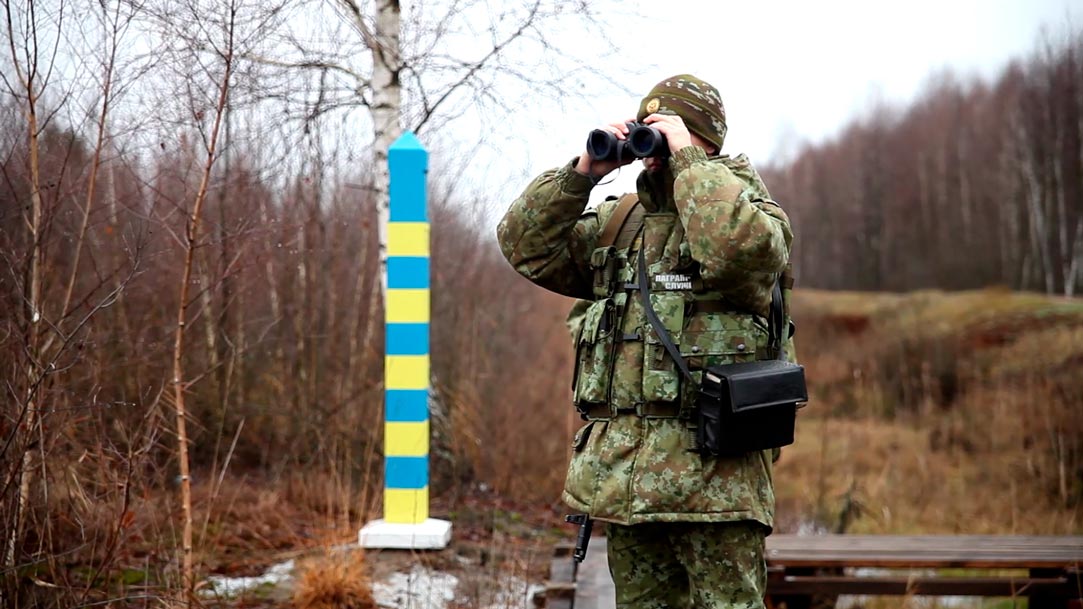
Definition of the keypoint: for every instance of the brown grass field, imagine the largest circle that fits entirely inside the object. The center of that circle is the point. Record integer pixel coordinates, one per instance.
(930, 412)
(938, 413)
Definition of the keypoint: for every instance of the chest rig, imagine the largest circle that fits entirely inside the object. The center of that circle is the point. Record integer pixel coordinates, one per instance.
(613, 263)
(621, 361)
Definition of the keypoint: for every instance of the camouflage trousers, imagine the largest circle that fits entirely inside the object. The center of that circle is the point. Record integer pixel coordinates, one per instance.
(706, 565)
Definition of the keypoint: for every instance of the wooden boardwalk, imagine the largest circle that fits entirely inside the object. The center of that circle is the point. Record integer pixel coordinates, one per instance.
(1047, 570)
(593, 585)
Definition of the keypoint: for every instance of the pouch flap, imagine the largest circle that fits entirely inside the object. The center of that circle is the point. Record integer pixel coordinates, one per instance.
(715, 342)
(595, 321)
(601, 256)
(753, 385)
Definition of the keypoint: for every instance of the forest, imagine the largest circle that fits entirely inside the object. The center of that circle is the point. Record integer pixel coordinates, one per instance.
(973, 184)
(191, 320)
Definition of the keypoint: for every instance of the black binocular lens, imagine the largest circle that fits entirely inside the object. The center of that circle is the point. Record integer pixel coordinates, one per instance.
(646, 141)
(604, 146)
(643, 141)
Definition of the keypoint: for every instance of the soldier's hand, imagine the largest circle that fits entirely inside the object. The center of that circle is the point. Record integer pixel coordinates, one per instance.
(673, 127)
(595, 168)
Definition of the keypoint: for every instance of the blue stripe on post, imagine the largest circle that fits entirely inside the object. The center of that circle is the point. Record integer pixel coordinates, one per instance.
(407, 339)
(407, 272)
(406, 405)
(408, 164)
(406, 472)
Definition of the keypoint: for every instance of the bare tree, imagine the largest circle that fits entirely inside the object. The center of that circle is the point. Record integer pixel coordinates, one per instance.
(213, 28)
(27, 35)
(52, 62)
(409, 70)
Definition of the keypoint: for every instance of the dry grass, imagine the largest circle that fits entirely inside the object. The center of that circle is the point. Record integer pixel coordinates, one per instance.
(932, 413)
(874, 476)
(334, 582)
(939, 412)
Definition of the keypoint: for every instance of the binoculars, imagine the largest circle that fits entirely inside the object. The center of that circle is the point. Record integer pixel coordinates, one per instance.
(641, 142)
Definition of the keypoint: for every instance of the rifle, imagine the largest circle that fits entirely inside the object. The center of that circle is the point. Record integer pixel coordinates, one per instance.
(582, 538)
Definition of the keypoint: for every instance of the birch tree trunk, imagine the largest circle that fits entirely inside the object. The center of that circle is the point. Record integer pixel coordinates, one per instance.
(387, 127)
(32, 338)
(191, 238)
(1036, 216)
(29, 92)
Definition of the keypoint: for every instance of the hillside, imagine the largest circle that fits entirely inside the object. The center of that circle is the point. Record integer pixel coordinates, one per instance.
(938, 412)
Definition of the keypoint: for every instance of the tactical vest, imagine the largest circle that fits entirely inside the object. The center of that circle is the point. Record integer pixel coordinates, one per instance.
(708, 329)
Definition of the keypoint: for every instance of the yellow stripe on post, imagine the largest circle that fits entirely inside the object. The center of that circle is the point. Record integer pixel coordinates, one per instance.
(406, 371)
(406, 439)
(406, 506)
(407, 306)
(407, 238)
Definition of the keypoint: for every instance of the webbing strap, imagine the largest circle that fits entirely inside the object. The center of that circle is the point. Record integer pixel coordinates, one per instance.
(775, 321)
(616, 221)
(629, 232)
(787, 279)
(652, 316)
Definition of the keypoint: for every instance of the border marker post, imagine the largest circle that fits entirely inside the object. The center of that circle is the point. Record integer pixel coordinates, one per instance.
(406, 523)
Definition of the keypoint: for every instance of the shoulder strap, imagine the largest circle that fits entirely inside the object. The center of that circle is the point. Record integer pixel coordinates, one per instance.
(633, 225)
(613, 225)
(786, 282)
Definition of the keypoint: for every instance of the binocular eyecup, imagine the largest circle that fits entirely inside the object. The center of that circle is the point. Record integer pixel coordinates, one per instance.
(642, 141)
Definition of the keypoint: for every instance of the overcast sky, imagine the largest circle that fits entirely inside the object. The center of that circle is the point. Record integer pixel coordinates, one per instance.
(790, 70)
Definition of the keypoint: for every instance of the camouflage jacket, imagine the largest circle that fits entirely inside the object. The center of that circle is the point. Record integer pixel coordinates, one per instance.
(712, 235)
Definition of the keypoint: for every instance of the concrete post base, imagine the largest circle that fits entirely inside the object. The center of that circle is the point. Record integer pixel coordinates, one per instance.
(432, 534)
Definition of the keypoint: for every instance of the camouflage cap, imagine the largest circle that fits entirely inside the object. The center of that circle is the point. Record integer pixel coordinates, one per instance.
(692, 99)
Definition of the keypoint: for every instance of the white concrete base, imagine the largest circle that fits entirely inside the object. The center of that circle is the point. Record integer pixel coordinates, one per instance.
(431, 534)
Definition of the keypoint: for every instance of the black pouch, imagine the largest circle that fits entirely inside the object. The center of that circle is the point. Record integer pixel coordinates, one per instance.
(745, 406)
(748, 406)
(604, 263)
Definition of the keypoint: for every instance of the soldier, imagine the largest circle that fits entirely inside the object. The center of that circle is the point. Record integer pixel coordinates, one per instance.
(684, 529)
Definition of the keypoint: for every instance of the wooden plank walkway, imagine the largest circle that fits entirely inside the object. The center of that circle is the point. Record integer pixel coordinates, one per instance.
(1046, 569)
(932, 551)
(593, 585)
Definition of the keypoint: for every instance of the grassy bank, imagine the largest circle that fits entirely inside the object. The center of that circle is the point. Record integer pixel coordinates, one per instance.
(938, 412)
